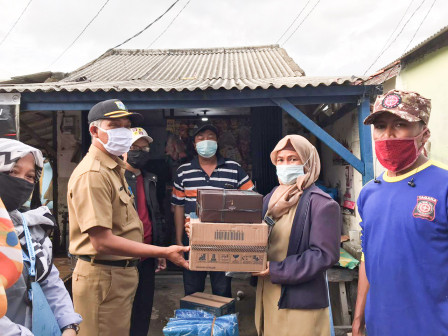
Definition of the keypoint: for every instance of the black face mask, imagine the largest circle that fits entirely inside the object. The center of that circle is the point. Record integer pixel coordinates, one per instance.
(14, 191)
(138, 159)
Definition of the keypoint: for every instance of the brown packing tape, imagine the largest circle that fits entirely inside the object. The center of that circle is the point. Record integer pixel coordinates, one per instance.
(212, 297)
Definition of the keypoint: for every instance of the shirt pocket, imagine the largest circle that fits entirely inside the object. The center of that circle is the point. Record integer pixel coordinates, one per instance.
(128, 212)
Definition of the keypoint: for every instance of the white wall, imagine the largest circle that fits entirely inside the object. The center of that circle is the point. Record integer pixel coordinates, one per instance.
(428, 76)
(345, 130)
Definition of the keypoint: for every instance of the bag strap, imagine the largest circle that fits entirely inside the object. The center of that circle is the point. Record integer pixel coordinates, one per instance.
(213, 325)
(332, 332)
(30, 247)
(299, 218)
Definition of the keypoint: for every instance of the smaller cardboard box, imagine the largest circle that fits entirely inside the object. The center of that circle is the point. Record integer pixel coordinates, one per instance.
(229, 206)
(228, 247)
(214, 304)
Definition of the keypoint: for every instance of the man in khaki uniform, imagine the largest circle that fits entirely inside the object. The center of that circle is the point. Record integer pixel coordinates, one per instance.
(105, 230)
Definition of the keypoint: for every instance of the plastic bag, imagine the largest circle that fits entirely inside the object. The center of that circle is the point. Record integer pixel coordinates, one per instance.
(199, 323)
(190, 313)
(239, 275)
(346, 260)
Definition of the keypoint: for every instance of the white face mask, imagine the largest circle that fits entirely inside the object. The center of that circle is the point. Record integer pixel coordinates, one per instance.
(120, 140)
(288, 174)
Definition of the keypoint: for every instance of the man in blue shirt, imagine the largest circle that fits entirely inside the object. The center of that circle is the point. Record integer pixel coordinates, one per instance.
(403, 279)
(208, 170)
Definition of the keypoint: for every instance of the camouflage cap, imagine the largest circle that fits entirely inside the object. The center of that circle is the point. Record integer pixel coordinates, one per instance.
(407, 105)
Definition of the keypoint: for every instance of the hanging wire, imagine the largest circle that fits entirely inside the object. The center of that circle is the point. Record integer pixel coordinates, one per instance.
(169, 25)
(14, 24)
(294, 21)
(396, 37)
(141, 31)
(303, 20)
(80, 34)
(418, 28)
(390, 36)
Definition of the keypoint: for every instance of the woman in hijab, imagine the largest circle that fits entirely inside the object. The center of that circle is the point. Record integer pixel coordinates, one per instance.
(292, 296)
(20, 169)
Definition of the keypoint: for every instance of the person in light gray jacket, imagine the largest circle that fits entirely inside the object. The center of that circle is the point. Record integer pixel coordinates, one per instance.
(20, 168)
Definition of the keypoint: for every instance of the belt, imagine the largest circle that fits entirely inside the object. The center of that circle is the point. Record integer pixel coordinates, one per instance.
(117, 263)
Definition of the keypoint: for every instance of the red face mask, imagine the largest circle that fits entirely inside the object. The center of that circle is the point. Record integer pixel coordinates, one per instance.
(398, 154)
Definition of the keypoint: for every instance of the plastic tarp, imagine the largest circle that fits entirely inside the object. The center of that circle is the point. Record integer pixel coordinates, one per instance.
(346, 259)
(199, 323)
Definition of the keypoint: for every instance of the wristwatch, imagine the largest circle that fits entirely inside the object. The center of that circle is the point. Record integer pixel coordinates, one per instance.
(73, 326)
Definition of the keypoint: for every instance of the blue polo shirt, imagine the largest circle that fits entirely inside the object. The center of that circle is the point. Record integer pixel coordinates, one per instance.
(190, 177)
(405, 245)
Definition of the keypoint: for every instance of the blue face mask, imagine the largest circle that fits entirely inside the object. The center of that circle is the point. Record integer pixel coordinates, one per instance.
(288, 174)
(207, 148)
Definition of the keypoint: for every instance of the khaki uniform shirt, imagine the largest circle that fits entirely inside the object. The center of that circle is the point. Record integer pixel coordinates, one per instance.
(98, 195)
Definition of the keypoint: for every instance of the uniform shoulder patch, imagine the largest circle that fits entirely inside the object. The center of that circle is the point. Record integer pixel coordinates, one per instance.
(425, 208)
(95, 166)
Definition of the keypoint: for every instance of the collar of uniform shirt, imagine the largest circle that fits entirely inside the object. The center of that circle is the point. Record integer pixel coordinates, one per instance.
(105, 159)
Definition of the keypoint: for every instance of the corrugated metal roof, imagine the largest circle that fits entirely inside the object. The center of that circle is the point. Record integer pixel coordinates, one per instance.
(384, 74)
(186, 69)
(40, 77)
(442, 31)
(173, 64)
(182, 85)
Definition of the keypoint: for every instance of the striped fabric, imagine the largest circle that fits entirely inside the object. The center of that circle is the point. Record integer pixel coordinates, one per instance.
(190, 177)
(12, 151)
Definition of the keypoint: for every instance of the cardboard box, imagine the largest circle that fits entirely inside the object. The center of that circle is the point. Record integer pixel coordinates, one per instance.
(229, 206)
(228, 246)
(214, 304)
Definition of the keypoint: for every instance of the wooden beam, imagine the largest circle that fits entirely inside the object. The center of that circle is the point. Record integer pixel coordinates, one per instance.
(320, 133)
(196, 95)
(177, 104)
(338, 114)
(365, 138)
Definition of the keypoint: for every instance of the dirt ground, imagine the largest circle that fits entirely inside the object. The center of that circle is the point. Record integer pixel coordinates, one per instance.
(169, 290)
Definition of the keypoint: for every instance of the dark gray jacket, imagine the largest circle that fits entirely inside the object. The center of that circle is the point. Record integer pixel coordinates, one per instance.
(313, 248)
(159, 228)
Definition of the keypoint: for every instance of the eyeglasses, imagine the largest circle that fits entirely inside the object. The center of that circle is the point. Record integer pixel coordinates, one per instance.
(142, 149)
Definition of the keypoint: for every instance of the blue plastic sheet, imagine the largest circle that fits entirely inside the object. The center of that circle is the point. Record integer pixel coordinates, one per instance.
(189, 313)
(199, 323)
(333, 192)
